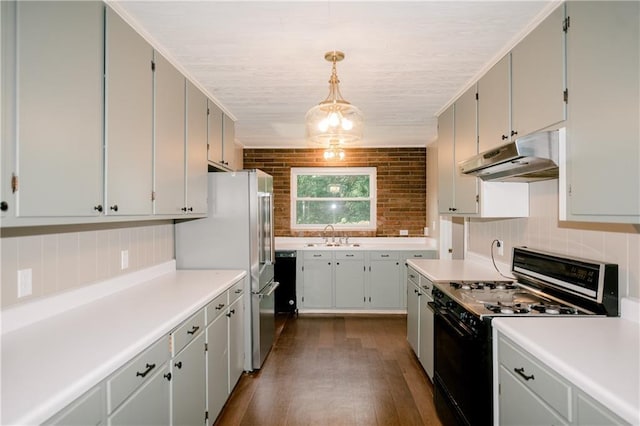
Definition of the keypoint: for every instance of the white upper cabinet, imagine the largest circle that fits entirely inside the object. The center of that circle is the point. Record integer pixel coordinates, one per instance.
(196, 168)
(169, 138)
(59, 104)
(457, 141)
(494, 106)
(214, 134)
(228, 141)
(538, 77)
(600, 176)
(128, 120)
(524, 92)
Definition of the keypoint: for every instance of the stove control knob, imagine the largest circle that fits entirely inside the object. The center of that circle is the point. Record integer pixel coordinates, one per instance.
(450, 304)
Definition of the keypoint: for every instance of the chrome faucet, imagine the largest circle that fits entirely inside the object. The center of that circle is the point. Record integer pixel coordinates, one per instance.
(333, 234)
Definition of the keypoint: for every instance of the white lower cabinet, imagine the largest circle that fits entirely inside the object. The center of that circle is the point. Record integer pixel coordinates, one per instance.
(188, 384)
(354, 279)
(217, 364)
(87, 410)
(413, 311)
(420, 319)
(349, 280)
(426, 333)
(531, 393)
(236, 342)
(149, 405)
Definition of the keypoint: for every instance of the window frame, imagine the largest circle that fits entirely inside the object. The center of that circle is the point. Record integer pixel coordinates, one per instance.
(334, 171)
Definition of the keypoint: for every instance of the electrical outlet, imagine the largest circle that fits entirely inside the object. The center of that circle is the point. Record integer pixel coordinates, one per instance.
(500, 245)
(25, 284)
(124, 259)
(404, 232)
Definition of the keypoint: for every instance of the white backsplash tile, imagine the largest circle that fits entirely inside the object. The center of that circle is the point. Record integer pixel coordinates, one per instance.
(542, 230)
(65, 260)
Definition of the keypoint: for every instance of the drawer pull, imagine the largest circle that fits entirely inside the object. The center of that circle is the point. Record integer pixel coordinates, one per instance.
(317, 255)
(178, 364)
(193, 330)
(417, 255)
(350, 255)
(238, 291)
(220, 306)
(520, 371)
(147, 371)
(384, 255)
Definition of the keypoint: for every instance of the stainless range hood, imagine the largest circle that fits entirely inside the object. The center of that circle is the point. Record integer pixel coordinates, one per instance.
(529, 158)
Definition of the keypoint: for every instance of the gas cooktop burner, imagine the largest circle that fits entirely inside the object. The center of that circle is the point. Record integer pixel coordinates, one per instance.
(483, 285)
(508, 308)
(550, 309)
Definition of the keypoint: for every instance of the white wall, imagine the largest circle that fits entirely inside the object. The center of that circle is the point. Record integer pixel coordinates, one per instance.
(613, 243)
(66, 257)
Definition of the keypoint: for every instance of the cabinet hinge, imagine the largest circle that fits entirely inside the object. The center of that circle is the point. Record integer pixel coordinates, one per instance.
(153, 66)
(303, 298)
(206, 415)
(153, 195)
(565, 24)
(208, 147)
(570, 190)
(565, 95)
(364, 268)
(206, 347)
(14, 183)
(477, 198)
(208, 111)
(477, 97)
(303, 268)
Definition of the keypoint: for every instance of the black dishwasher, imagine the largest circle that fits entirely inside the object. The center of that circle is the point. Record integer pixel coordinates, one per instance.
(285, 274)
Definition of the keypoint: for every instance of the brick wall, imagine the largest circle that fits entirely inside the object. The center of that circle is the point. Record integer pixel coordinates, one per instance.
(401, 186)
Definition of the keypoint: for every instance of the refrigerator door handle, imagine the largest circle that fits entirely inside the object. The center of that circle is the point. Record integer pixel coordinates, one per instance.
(273, 288)
(270, 224)
(266, 238)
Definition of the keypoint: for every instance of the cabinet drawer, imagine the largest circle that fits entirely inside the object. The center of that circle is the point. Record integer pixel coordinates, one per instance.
(186, 332)
(317, 255)
(353, 255)
(413, 276)
(236, 291)
(536, 377)
(216, 307)
(383, 255)
(425, 254)
(136, 373)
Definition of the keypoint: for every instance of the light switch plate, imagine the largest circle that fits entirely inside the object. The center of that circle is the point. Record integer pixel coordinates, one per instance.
(404, 232)
(25, 283)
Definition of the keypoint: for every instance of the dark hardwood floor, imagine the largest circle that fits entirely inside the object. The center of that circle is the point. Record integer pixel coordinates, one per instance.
(335, 370)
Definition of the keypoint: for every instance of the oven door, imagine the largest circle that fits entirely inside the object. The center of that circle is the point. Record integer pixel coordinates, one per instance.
(462, 374)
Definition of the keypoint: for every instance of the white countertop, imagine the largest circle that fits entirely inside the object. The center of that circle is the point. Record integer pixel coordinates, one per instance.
(362, 243)
(48, 364)
(601, 356)
(455, 270)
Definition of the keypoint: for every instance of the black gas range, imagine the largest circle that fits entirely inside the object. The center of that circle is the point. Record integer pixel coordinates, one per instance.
(545, 285)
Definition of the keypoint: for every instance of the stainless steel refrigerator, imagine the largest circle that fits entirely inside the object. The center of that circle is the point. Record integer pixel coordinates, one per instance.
(238, 234)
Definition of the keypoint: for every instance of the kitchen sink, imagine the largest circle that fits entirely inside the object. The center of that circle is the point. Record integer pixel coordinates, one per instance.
(332, 245)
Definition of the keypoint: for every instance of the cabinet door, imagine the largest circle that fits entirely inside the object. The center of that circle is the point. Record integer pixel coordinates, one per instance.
(591, 412)
(149, 405)
(446, 168)
(8, 116)
(236, 342)
(602, 143)
(385, 291)
(129, 120)
(413, 317)
(196, 151)
(465, 146)
(59, 96)
(537, 77)
(426, 335)
(494, 126)
(519, 406)
(189, 384)
(214, 133)
(217, 366)
(228, 141)
(317, 288)
(87, 410)
(349, 283)
(169, 138)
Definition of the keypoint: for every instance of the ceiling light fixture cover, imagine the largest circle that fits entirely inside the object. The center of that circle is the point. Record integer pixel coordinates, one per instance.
(334, 121)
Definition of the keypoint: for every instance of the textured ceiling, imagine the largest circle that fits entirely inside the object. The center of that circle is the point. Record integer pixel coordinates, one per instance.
(263, 62)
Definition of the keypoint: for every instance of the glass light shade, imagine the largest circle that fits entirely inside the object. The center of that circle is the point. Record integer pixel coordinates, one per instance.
(332, 122)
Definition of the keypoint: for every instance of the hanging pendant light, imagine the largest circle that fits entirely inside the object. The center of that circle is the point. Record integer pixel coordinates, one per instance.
(334, 122)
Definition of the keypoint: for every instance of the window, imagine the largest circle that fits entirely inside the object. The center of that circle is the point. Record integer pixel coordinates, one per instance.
(344, 197)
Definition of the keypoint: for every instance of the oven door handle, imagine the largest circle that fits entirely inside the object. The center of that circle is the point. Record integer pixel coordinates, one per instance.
(456, 327)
